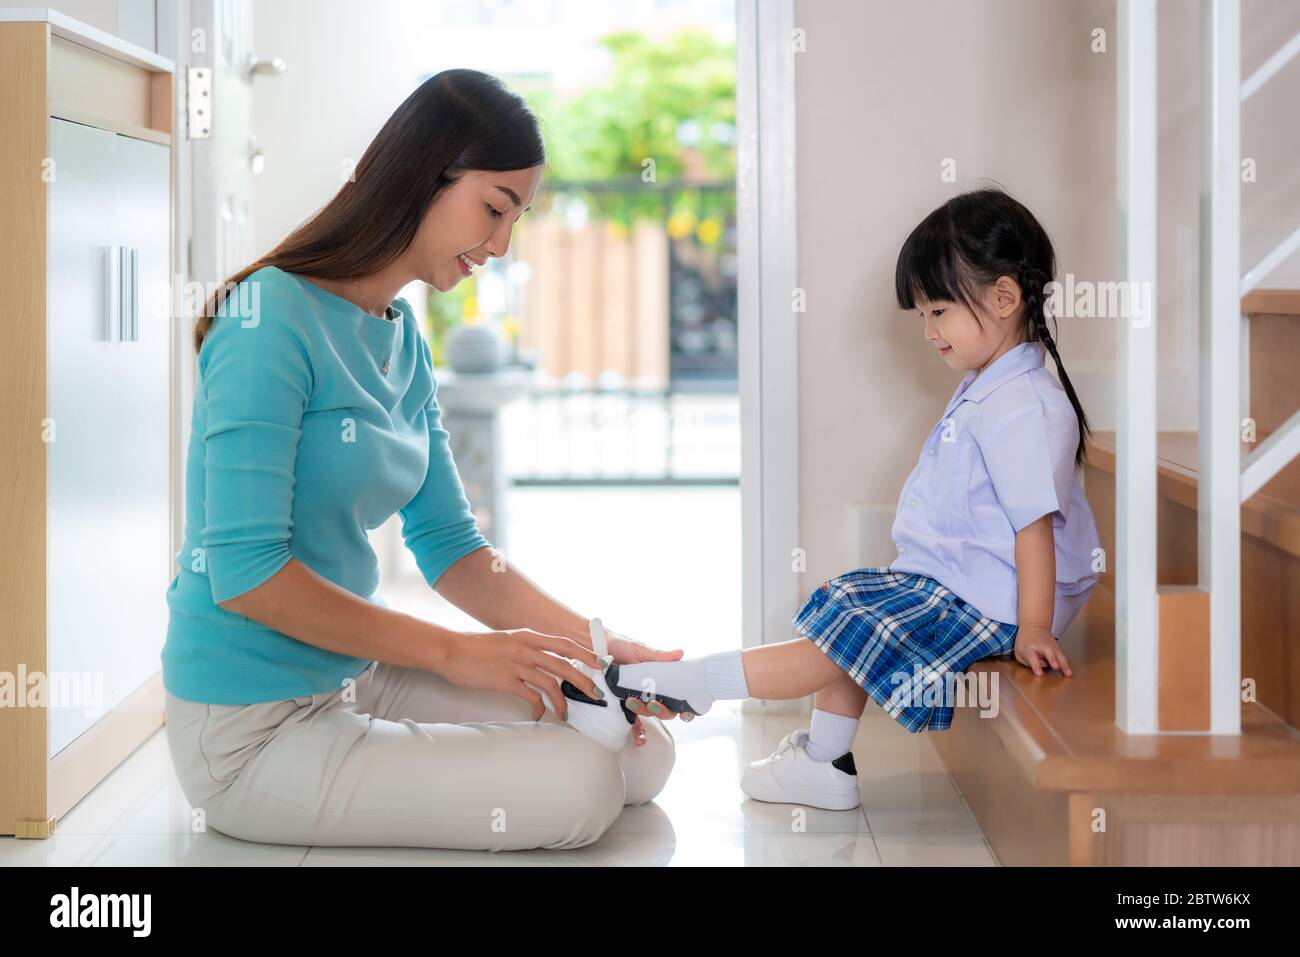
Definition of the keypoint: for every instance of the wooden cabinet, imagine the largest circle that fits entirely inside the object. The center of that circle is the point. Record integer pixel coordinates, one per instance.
(85, 283)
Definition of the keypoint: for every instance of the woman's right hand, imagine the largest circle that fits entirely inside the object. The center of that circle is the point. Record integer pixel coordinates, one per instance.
(504, 660)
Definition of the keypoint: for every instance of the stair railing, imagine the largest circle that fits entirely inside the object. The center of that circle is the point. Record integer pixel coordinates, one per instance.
(1142, 688)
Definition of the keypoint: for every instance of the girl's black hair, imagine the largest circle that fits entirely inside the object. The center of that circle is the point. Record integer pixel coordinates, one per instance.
(966, 244)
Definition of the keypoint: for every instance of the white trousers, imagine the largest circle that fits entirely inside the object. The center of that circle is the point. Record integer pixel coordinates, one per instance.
(414, 761)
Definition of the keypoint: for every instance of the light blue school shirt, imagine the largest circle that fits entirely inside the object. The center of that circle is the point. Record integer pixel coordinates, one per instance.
(313, 423)
(1001, 458)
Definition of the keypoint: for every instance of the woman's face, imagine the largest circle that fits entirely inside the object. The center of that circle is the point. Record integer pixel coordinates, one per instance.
(473, 218)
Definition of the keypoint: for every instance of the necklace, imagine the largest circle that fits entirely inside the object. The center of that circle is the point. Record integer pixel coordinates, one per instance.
(364, 304)
(383, 369)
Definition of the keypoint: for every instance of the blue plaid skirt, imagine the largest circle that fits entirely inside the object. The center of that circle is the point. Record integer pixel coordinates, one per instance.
(903, 638)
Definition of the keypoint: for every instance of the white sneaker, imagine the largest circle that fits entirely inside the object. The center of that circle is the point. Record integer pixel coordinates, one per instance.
(789, 776)
(604, 720)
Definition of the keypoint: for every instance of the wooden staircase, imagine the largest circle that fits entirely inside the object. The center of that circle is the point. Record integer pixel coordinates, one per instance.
(1051, 777)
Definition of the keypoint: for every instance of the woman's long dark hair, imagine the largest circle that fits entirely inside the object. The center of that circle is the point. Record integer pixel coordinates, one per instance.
(456, 120)
(964, 246)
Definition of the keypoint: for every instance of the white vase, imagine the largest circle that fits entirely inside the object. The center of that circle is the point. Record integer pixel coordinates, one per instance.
(474, 348)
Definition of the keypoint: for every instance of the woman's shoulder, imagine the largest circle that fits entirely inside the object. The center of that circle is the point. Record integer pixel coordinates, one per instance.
(271, 278)
(266, 284)
(267, 307)
(286, 301)
(285, 290)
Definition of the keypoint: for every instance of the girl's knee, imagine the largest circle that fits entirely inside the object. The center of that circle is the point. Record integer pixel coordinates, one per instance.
(646, 768)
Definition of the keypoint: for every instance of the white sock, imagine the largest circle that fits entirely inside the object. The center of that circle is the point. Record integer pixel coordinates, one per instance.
(830, 736)
(697, 681)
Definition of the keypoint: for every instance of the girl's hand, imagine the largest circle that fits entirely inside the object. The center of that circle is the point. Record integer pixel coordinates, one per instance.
(1036, 648)
(504, 660)
(625, 651)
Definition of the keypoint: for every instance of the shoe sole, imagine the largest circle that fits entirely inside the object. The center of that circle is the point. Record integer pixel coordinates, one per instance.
(818, 799)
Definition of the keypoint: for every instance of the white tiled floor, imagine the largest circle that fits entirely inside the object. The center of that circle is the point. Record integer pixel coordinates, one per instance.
(912, 814)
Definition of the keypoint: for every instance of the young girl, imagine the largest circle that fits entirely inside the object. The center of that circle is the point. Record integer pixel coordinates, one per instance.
(995, 538)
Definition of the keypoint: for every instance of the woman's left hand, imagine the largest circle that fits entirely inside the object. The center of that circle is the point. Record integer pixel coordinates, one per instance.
(625, 651)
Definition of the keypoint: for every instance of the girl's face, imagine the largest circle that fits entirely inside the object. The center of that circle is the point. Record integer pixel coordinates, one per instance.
(473, 218)
(966, 343)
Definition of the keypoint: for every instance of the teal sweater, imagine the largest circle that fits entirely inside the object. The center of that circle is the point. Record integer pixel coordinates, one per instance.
(300, 444)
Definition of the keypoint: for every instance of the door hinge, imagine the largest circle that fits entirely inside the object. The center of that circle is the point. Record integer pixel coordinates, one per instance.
(198, 102)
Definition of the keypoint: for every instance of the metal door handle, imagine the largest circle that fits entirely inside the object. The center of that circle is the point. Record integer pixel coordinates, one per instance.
(133, 298)
(122, 298)
(113, 294)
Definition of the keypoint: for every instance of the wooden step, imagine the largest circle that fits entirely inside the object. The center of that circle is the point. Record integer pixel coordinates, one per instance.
(1272, 514)
(1274, 345)
(1051, 763)
(1277, 302)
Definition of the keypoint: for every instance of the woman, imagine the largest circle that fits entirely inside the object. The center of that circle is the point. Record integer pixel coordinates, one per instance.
(301, 709)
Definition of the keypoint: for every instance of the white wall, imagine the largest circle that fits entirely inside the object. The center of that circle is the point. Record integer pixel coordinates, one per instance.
(886, 92)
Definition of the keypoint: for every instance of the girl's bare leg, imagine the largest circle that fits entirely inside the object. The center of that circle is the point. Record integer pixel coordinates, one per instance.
(791, 669)
(842, 696)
